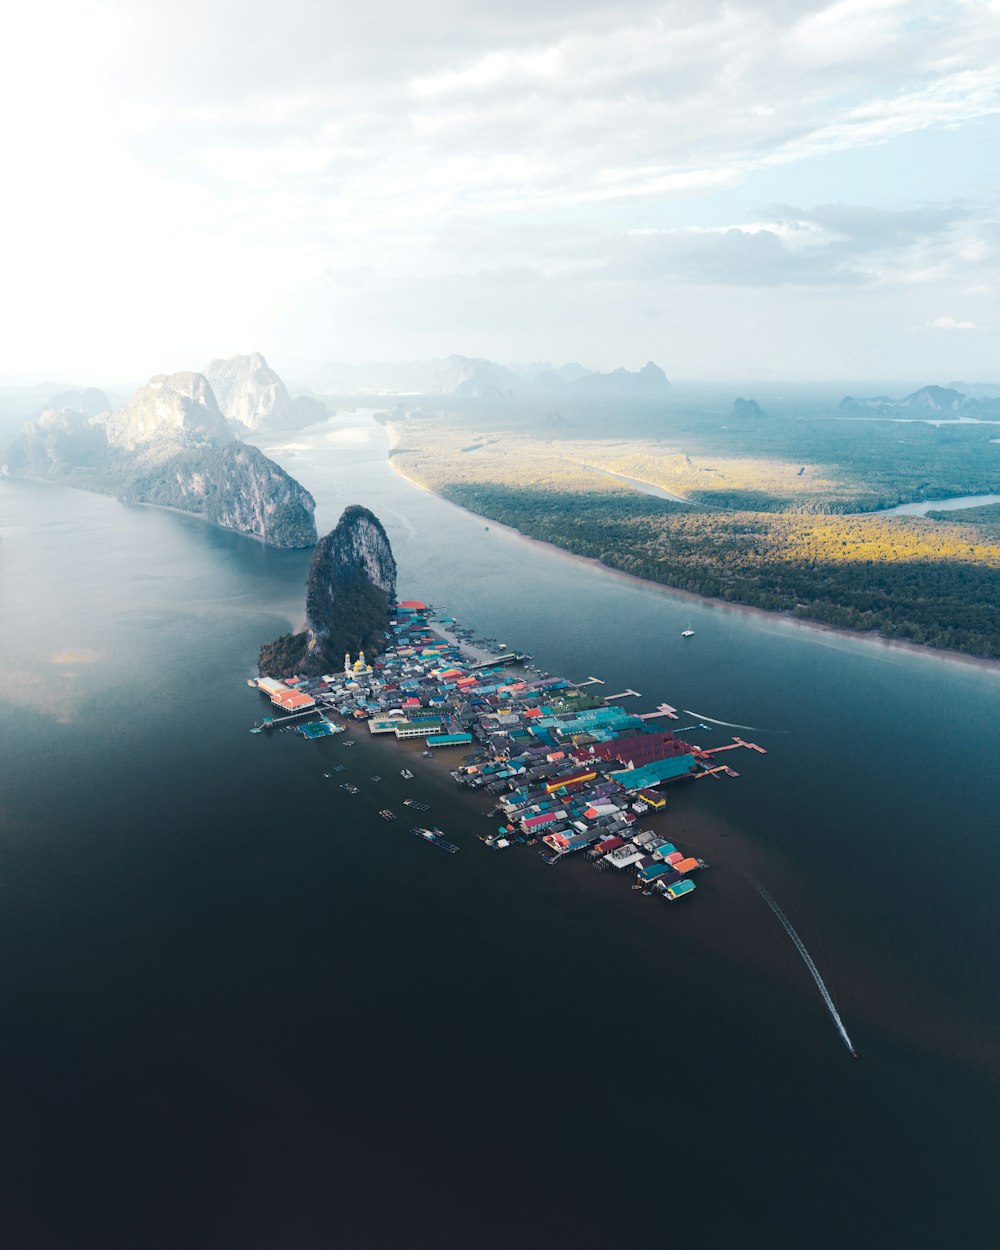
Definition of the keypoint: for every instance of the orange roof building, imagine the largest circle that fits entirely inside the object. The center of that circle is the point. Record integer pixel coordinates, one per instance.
(293, 700)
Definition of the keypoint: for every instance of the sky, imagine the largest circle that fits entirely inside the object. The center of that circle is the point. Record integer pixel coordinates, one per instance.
(733, 190)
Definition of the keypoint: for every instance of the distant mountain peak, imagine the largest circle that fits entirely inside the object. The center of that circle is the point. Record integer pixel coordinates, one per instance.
(940, 398)
(944, 400)
(253, 397)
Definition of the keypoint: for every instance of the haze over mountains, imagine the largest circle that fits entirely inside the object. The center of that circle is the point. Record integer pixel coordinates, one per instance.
(938, 401)
(479, 378)
(172, 445)
(253, 397)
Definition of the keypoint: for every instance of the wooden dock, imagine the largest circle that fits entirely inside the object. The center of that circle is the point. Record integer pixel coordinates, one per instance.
(662, 709)
(735, 745)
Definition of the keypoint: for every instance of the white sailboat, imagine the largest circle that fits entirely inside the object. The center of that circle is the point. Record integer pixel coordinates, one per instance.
(687, 633)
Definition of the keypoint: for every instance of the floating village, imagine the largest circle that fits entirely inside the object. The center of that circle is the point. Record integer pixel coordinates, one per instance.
(568, 769)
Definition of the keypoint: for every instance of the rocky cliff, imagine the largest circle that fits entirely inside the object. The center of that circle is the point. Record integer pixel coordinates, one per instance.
(349, 596)
(253, 397)
(171, 413)
(235, 486)
(170, 445)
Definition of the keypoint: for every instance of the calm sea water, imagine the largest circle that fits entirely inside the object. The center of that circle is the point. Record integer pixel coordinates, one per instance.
(238, 1009)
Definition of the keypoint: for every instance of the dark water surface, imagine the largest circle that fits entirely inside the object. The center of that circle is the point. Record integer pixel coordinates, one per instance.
(240, 1010)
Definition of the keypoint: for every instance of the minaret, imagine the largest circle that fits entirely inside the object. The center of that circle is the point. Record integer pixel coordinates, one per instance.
(347, 664)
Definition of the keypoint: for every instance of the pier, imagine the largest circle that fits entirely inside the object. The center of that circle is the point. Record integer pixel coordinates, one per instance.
(734, 745)
(269, 722)
(508, 657)
(662, 709)
(610, 698)
(720, 768)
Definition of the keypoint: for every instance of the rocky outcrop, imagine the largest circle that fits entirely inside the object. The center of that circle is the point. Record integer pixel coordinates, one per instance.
(746, 408)
(349, 597)
(170, 445)
(253, 397)
(171, 413)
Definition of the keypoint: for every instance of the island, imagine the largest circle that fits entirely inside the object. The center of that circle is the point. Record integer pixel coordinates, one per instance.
(349, 593)
(170, 446)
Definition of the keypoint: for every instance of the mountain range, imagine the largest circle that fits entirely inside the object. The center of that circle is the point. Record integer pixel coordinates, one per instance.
(479, 378)
(944, 402)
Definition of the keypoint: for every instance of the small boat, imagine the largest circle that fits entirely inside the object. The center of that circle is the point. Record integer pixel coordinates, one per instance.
(376, 777)
(386, 814)
(406, 774)
(416, 805)
(687, 633)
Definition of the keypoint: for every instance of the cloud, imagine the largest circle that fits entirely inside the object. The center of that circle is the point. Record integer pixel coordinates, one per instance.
(950, 323)
(204, 147)
(829, 245)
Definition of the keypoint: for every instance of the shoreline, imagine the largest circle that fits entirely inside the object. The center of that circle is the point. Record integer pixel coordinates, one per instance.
(870, 639)
(161, 507)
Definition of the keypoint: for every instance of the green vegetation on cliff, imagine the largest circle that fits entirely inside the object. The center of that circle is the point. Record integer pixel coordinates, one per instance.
(349, 595)
(235, 486)
(287, 656)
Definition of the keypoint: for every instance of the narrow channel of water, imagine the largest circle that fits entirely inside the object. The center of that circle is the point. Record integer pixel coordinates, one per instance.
(954, 504)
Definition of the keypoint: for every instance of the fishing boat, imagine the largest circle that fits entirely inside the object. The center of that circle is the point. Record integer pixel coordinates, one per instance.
(435, 836)
(416, 805)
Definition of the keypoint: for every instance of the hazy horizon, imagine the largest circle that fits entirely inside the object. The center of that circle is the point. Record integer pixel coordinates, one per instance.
(786, 190)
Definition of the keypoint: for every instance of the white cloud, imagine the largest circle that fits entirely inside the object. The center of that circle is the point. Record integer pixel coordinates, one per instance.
(950, 323)
(181, 167)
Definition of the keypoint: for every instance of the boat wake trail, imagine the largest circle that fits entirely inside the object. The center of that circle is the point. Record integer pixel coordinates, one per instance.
(807, 958)
(755, 729)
